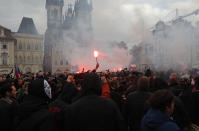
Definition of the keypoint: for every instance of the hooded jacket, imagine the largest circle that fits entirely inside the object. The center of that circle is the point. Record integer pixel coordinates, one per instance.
(33, 114)
(156, 120)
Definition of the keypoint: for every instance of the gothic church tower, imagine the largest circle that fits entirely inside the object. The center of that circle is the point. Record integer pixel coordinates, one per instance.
(53, 32)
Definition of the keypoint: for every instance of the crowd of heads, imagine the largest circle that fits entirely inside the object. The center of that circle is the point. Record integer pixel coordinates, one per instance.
(164, 88)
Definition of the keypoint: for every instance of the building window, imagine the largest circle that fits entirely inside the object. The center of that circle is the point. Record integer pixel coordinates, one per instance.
(28, 59)
(67, 62)
(4, 60)
(61, 62)
(20, 60)
(1, 32)
(55, 62)
(20, 46)
(36, 47)
(55, 13)
(61, 52)
(28, 47)
(4, 46)
(36, 59)
(52, 13)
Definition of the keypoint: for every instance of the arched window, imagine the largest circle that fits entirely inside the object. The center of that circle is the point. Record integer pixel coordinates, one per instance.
(61, 62)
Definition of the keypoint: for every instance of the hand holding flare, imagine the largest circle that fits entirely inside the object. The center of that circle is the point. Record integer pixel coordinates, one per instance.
(96, 54)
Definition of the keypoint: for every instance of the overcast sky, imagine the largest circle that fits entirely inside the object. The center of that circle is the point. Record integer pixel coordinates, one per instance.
(112, 19)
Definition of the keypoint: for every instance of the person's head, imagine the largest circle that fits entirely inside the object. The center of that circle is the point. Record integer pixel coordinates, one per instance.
(20, 82)
(6, 91)
(173, 76)
(143, 83)
(70, 78)
(162, 100)
(92, 84)
(104, 80)
(37, 88)
(1, 79)
(41, 74)
(69, 93)
(14, 92)
(172, 82)
(154, 75)
(185, 82)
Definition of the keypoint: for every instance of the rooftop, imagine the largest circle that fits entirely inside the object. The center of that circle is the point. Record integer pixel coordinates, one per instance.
(27, 26)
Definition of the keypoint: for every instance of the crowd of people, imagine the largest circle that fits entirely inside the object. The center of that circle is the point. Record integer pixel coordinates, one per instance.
(100, 101)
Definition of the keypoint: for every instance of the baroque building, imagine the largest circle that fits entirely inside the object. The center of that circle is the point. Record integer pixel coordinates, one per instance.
(29, 47)
(64, 28)
(7, 43)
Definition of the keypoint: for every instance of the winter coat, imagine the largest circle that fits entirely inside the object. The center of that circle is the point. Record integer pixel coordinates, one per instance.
(175, 89)
(7, 115)
(93, 113)
(61, 103)
(180, 116)
(194, 113)
(33, 113)
(156, 120)
(135, 109)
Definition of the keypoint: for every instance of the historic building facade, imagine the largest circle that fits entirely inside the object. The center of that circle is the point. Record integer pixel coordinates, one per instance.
(29, 47)
(72, 27)
(7, 43)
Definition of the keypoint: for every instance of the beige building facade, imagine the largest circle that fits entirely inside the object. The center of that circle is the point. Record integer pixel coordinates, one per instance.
(7, 43)
(29, 47)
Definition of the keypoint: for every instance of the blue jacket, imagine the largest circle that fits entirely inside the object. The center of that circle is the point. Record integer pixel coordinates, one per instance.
(156, 120)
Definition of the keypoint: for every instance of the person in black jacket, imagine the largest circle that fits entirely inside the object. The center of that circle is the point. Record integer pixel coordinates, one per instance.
(136, 106)
(33, 114)
(92, 112)
(57, 107)
(7, 108)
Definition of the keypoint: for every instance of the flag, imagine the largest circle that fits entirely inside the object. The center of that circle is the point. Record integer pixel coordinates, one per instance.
(133, 67)
(17, 72)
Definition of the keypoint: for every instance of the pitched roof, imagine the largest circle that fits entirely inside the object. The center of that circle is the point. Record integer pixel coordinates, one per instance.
(27, 26)
(7, 33)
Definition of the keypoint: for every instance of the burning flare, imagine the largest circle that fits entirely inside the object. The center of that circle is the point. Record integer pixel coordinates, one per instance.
(96, 54)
